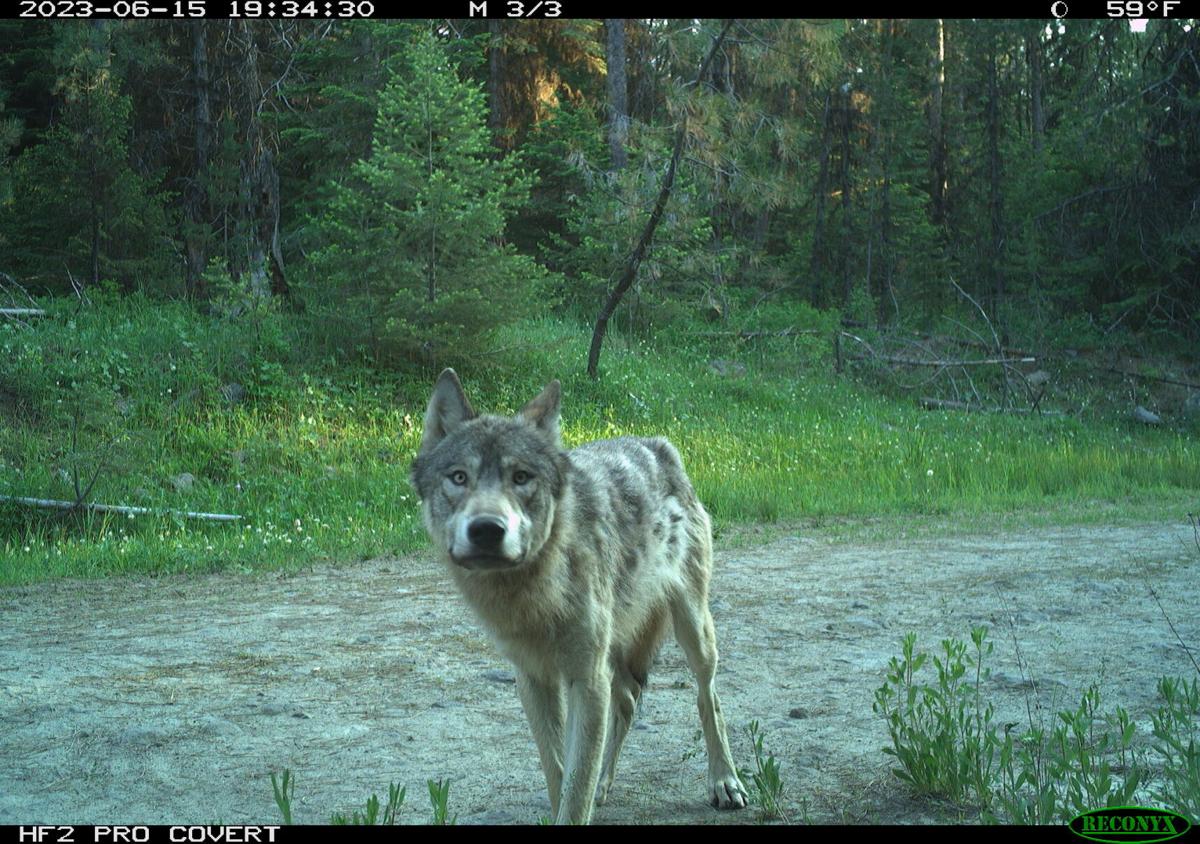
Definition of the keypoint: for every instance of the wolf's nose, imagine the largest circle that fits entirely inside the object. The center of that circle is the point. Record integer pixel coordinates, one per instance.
(486, 532)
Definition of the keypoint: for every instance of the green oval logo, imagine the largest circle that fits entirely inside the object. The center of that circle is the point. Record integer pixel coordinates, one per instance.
(1122, 824)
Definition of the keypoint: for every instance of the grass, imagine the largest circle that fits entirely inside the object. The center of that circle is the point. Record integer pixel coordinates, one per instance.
(315, 459)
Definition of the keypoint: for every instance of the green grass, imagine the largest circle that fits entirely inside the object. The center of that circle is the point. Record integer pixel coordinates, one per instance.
(316, 458)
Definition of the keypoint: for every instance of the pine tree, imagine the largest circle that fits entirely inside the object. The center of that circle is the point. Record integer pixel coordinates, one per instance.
(79, 202)
(415, 264)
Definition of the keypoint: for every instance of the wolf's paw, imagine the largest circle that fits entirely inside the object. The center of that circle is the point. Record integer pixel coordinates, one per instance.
(602, 790)
(727, 792)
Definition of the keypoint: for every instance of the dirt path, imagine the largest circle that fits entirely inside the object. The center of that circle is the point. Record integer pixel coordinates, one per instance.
(170, 700)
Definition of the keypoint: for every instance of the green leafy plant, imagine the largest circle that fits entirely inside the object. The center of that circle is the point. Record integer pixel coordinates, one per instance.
(943, 735)
(1176, 731)
(439, 798)
(766, 785)
(284, 791)
(947, 743)
(1052, 776)
(369, 815)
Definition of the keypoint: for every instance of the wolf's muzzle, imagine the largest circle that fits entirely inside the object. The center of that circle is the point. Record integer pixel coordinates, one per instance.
(486, 534)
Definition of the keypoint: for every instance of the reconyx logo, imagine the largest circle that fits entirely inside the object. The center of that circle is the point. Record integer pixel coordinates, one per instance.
(1129, 824)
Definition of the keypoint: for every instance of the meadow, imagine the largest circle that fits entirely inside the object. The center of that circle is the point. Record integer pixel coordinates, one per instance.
(142, 403)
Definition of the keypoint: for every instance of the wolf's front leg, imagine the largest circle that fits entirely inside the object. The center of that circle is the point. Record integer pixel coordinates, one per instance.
(587, 720)
(543, 702)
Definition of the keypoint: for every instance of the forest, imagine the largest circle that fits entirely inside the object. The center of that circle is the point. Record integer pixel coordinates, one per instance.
(413, 185)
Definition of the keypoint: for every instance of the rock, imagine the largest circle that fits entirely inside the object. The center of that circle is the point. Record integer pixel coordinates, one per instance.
(727, 368)
(1191, 407)
(233, 392)
(141, 737)
(125, 407)
(499, 676)
(183, 481)
(864, 622)
(189, 397)
(1038, 378)
(217, 726)
(1145, 416)
(798, 712)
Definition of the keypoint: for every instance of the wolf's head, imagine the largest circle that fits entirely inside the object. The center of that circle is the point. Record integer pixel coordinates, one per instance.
(489, 484)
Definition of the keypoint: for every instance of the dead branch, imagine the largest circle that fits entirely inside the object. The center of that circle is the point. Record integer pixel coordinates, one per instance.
(946, 364)
(116, 508)
(647, 237)
(1144, 377)
(18, 303)
(754, 335)
(930, 403)
(977, 344)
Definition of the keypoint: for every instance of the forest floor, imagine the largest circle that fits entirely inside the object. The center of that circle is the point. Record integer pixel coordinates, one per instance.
(171, 699)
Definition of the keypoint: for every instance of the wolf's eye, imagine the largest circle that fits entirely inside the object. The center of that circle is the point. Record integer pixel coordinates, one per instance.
(521, 477)
(458, 478)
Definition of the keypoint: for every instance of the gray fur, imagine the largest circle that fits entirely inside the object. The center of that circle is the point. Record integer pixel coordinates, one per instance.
(575, 562)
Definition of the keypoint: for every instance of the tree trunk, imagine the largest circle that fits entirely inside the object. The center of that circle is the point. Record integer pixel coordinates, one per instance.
(845, 112)
(643, 244)
(1037, 117)
(816, 262)
(497, 112)
(618, 92)
(995, 193)
(196, 192)
(260, 180)
(937, 130)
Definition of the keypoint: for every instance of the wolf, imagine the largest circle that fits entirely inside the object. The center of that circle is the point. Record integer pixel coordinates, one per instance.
(575, 562)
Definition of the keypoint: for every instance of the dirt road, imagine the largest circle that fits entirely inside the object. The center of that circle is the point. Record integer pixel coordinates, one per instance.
(170, 700)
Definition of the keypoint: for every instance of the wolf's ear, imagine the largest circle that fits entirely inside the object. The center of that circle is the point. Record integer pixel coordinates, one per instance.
(543, 410)
(448, 408)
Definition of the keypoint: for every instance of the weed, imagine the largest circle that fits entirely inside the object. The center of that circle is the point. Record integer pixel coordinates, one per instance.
(284, 793)
(439, 798)
(1177, 733)
(947, 743)
(369, 816)
(766, 786)
(941, 734)
(1058, 774)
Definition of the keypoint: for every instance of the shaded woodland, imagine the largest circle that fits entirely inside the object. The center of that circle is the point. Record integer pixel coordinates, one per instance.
(404, 187)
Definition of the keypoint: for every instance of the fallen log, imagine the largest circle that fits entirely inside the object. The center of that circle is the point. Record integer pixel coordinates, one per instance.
(21, 312)
(117, 508)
